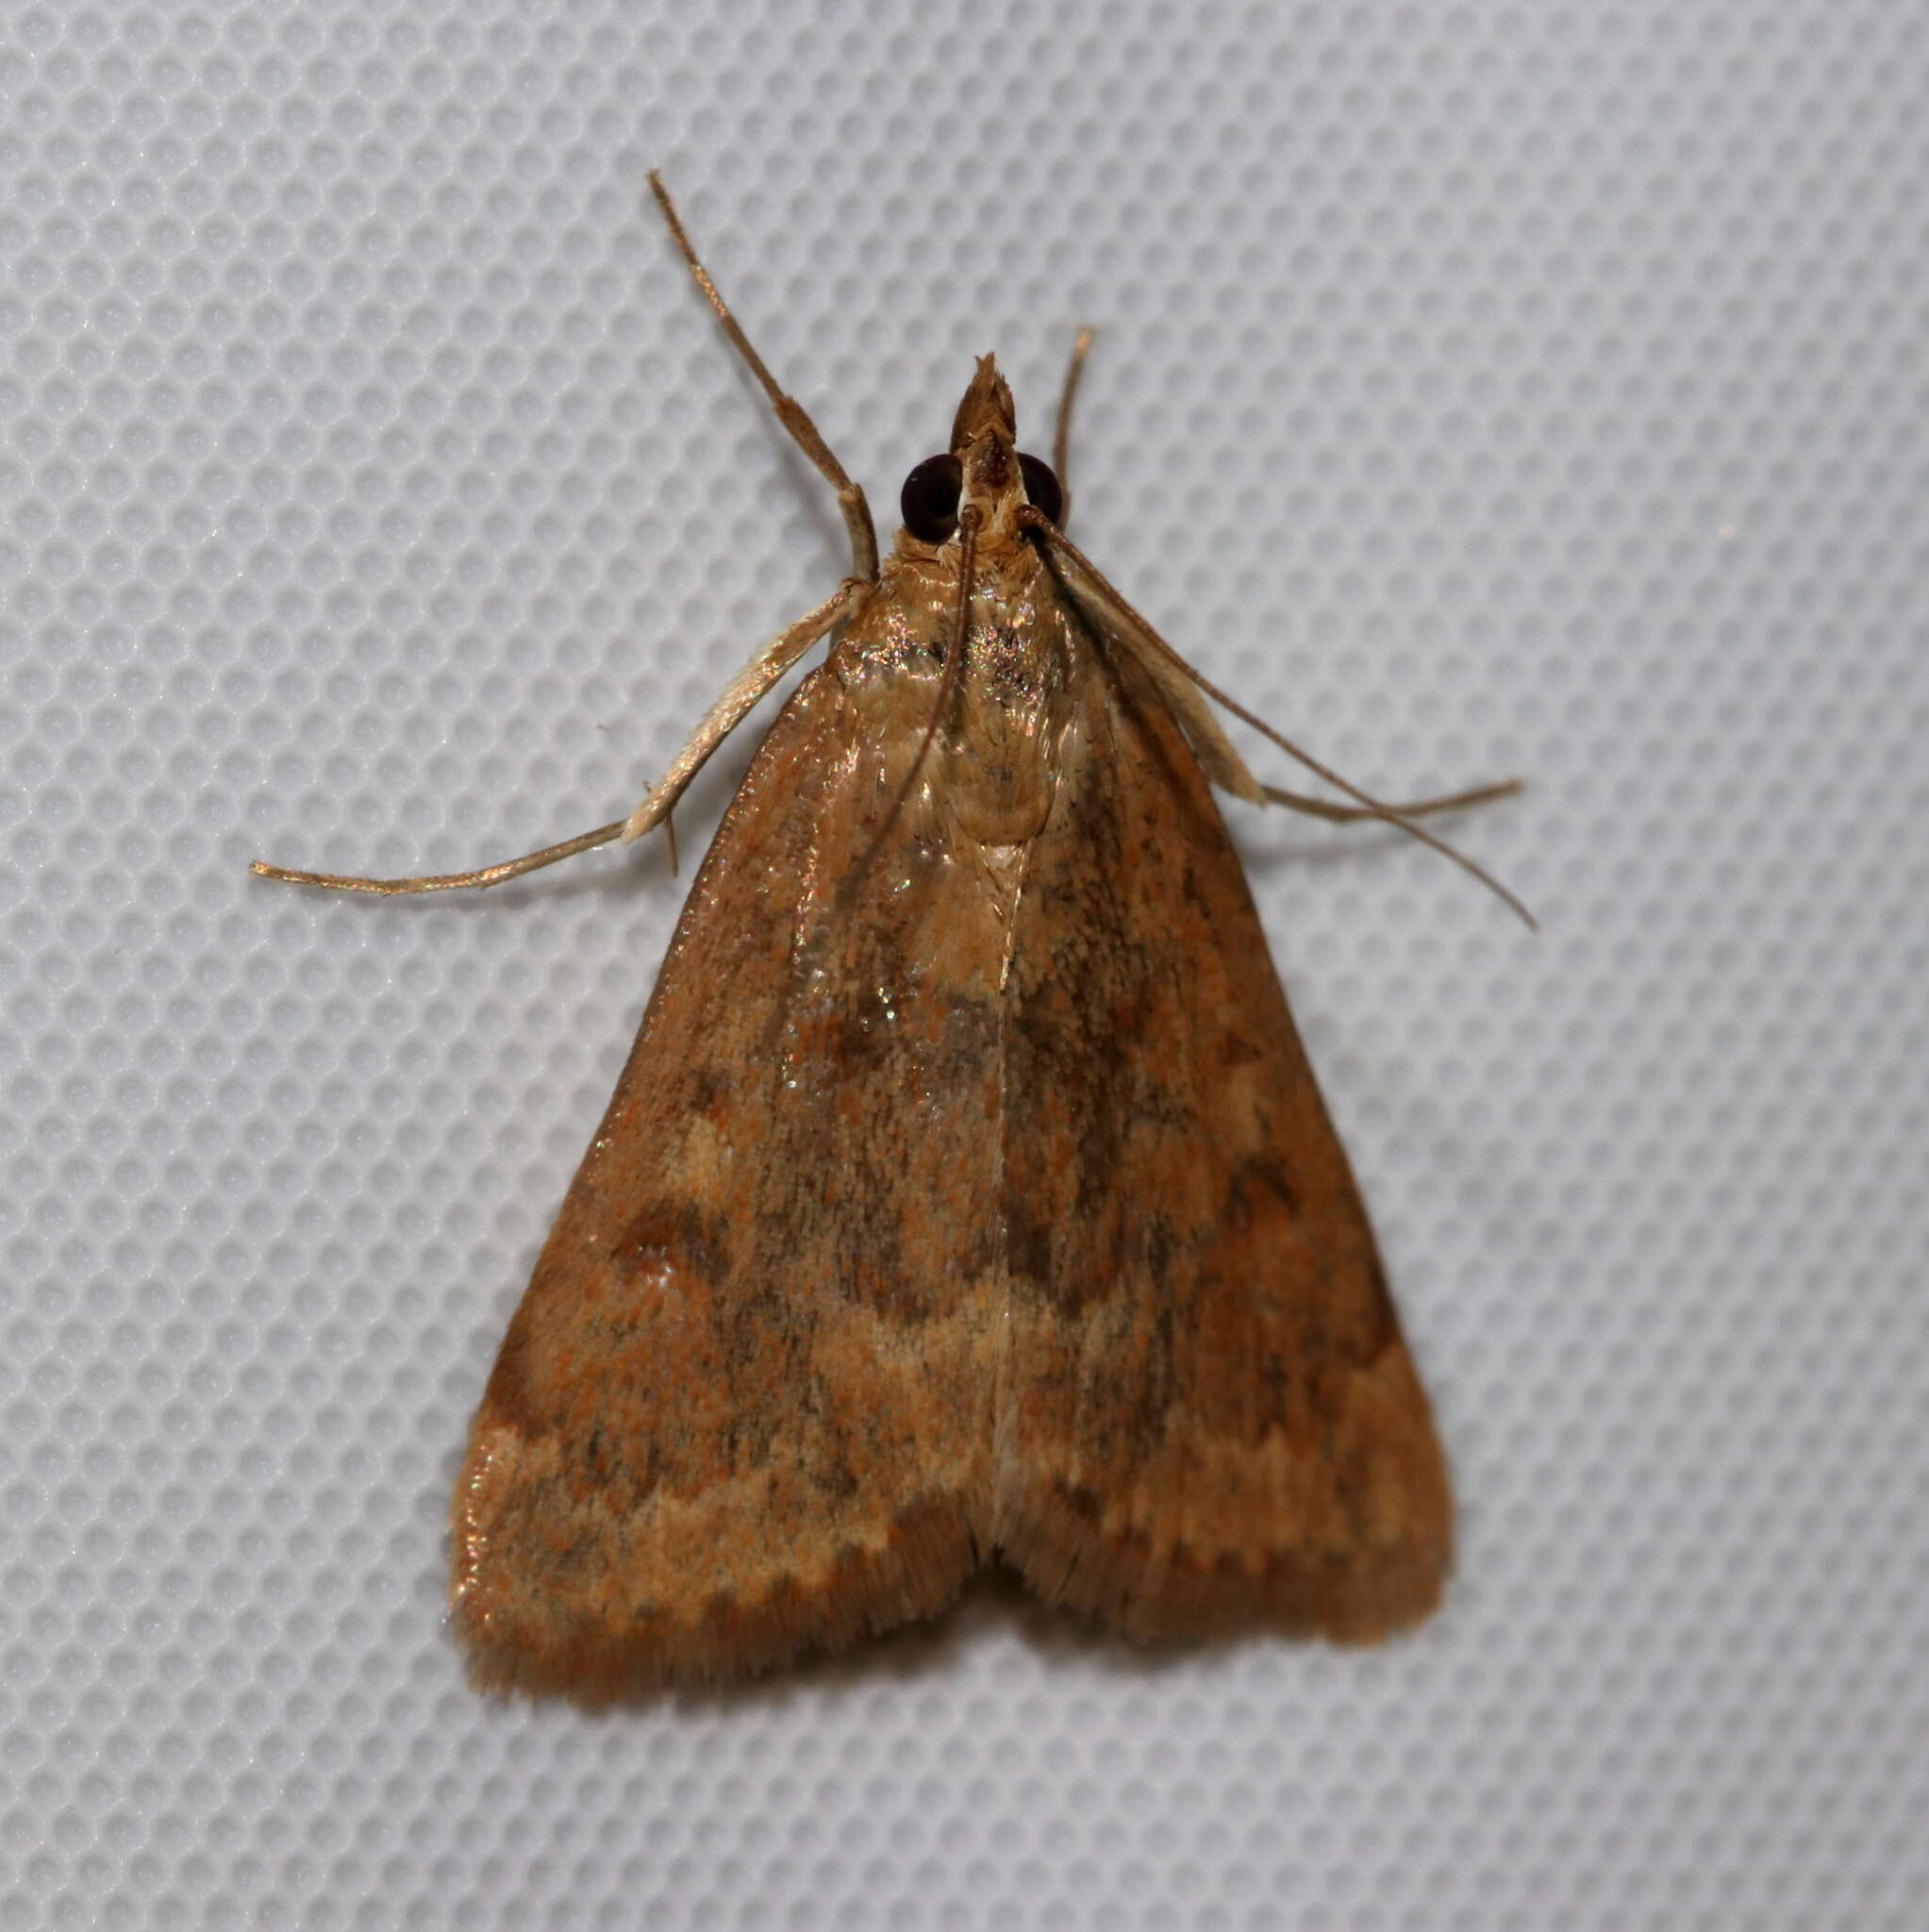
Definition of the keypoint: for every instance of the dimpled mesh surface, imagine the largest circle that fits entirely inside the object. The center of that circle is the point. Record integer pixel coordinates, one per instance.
(1488, 389)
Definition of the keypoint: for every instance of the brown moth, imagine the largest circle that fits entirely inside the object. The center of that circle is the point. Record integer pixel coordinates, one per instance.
(967, 1192)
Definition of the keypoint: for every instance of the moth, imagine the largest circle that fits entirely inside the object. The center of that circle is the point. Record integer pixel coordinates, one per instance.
(967, 1192)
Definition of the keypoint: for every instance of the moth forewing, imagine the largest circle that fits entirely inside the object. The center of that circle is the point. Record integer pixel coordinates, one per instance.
(1212, 1418)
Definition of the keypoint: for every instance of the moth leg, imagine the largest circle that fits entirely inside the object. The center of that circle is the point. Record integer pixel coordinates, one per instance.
(1061, 437)
(1352, 814)
(448, 881)
(743, 692)
(791, 412)
(1168, 667)
(722, 718)
(1204, 732)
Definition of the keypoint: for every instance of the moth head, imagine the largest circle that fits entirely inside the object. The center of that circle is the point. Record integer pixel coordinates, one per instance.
(983, 466)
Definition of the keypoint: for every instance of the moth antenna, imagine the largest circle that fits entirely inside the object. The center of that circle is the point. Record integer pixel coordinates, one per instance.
(791, 412)
(1055, 537)
(1061, 436)
(968, 521)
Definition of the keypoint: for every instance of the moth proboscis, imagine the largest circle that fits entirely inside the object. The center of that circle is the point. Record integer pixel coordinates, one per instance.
(967, 1191)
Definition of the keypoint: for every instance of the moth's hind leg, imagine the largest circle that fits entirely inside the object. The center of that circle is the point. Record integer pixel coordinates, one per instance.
(1413, 809)
(717, 723)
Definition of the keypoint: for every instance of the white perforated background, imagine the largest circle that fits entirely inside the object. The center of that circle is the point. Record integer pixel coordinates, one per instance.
(1484, 388)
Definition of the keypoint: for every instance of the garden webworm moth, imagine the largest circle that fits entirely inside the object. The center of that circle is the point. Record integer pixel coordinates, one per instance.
(967, 1192)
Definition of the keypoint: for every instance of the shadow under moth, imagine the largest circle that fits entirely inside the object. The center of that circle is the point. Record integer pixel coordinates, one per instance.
(967, 1192)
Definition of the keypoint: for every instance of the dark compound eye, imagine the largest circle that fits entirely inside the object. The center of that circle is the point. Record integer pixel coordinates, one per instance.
(1041, 486)
(929, 502)
(930, 497)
